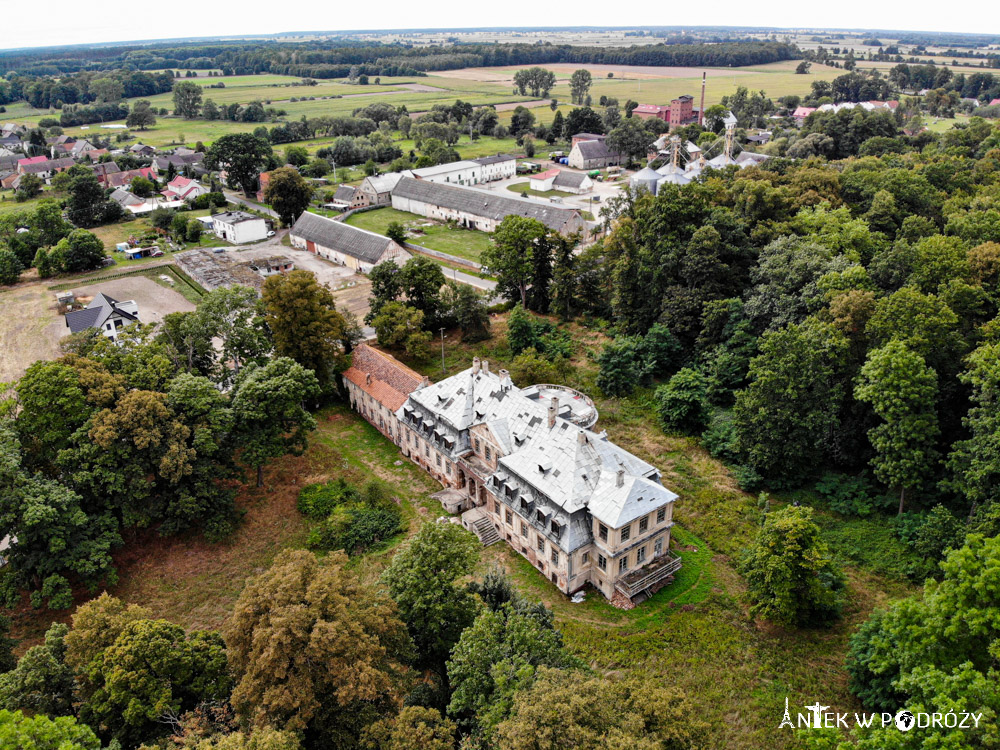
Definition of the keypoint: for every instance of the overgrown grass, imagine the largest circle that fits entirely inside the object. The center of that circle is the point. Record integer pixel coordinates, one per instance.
(463, 243)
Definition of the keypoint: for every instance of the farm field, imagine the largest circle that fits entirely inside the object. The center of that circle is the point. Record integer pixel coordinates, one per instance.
(465, 243)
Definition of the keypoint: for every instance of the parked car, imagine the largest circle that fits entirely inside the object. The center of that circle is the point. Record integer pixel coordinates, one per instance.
(219, 250)
(270, 233)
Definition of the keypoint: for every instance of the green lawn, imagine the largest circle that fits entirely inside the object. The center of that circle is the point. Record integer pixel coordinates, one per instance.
(464, 243)
(522, 187)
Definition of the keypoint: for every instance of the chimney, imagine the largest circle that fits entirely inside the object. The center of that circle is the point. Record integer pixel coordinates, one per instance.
(620, 478)
(368, 378)
(505, 381)
(701, 111)
(475, 365)
(553, 410)
(486, 367)
(581, 437)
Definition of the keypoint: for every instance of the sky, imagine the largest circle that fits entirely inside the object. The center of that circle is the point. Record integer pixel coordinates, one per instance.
(55, 22)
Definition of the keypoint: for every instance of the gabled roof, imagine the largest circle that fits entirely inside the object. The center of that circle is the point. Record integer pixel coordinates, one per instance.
(593, 149)
(437, 169)
(50, 165)
(499, 158)
(382, 183)
(548, 174)
(482, 203)
(97, 313)
(336, 235)
(651, 109)
(384, 378)
(565, 178)
(123, 197)
(345, 193)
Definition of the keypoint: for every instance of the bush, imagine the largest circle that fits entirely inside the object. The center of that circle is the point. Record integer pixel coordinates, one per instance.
(320, 500)
(206, 200)
(683, 402)
(355, 528)
(850, 496)
(720, 438)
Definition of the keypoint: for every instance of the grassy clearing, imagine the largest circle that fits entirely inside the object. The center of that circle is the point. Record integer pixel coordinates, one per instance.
(523, 187)
(463, 243)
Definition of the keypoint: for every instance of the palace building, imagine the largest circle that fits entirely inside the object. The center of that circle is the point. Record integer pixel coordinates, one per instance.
(525, 467)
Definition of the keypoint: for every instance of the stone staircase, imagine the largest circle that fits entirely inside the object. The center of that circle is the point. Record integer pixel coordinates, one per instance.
(486, 532)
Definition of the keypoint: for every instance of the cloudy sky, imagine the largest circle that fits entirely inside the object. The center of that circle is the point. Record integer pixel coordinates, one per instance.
(25, 24)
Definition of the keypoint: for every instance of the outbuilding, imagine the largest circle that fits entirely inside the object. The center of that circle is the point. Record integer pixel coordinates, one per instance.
(341, 243)
(239, 227)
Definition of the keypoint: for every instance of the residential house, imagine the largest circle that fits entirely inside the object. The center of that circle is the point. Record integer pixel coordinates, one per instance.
(103, 170)
(498, 167)
(801, 113)
(45, 168)
(239, 227)
(592, 155)
(579, 137)
(121, 179)
(454, 173)
(341, 243)
(523, 467)
(348, 196)
(124, 198)
(183, 188)
(192, 161)
(104, 313)
(479, 209)
(140, 149)
(560, 179)
(376, 190)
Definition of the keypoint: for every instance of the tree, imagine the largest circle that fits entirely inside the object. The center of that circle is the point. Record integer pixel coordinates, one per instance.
(630, 138)
(43, 733)
(10, 267)
(557, 129)
(583, 120)
(187, 99)
(423, 580)
(421, 281)
(538, 80)
(142, 187)
(790, 576)
(579, 85)
(297, 156)
(7, 659)
(210, 110)
(975, 462)
(243, 156)
(467, 307)
(312, 649)
(495, 656)
(107, 89)
(621, 367)
(81, 251)
(511, 257)
(30, 186)
(41, 682)
(288, 193)
(400, 326)
(303, 318)
(574, 709)
(902, 390)
(87, 205)
(683, 402)
(415, 728)
(803, 67)
(56, 538)
(141, 116)
(150, 675)
(793, 400)
(385, 287)
(234, 316)
(396, 232)
(269, 412)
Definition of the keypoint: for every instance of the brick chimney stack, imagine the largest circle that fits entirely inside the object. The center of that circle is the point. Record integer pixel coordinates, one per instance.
(553, 410)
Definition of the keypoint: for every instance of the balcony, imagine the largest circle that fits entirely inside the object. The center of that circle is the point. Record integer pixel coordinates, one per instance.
(646, 577)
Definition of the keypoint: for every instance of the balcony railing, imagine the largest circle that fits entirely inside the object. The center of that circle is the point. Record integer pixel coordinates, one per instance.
(645, 578)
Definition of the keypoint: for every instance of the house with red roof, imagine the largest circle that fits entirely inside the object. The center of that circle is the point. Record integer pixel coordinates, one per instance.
(31, 160)
(801, 113)
(183, 188)
(649, 111)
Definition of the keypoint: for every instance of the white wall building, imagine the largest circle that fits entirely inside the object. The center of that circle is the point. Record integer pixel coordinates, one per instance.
(498, 167)
(455, 173)
(239, 227)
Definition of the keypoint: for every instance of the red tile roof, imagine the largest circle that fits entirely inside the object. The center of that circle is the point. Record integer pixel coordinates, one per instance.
(382, 376)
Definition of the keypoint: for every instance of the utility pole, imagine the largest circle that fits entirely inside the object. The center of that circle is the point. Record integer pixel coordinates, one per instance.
(443, 371)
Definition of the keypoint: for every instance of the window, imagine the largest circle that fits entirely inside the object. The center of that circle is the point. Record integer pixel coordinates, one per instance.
(510, 517)
(489, 454)
(427, 451)
(524, 529)
(447, 469)
(626, 533)
(475, 444)
(585, 558)
(643, 525)
(437, 458)
(602, 562)
(661, 514)
(603, 530)
(623, 564)
(658, 547)
(541, 544)
(496, 508)
(640, 556)
(555, 557)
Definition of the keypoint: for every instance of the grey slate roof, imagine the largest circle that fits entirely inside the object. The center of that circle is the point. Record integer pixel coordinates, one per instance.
(123, 197)
(564, 467)
(95, 314)
(383, 183)
(336, 235)
(48, 166)
(235, 217)
(482, 203)
(593, 149)
(565, 178)
(345, 193)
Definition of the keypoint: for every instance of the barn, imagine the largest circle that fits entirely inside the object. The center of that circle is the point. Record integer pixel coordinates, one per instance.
(341, 243)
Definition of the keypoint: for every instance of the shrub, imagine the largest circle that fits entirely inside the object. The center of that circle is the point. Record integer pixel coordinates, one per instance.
(720, 438)
(683, 402)
(849, 496)
(355, 528)
(319, 500)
